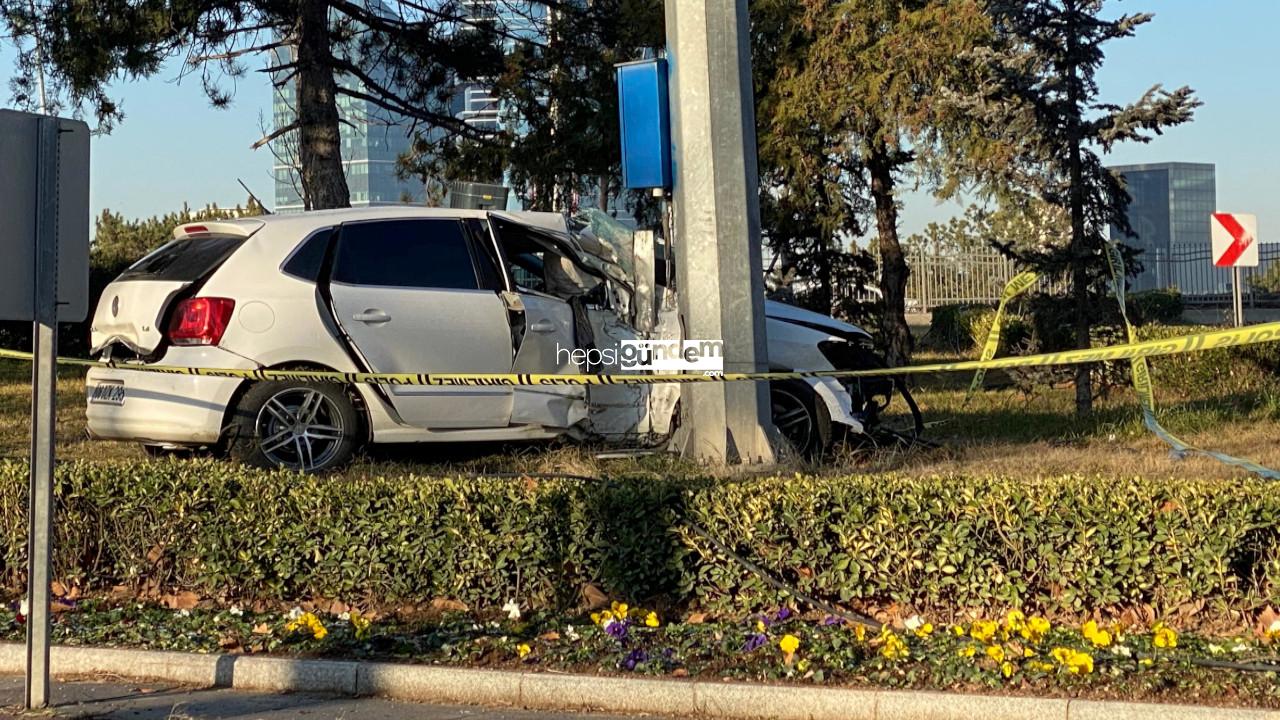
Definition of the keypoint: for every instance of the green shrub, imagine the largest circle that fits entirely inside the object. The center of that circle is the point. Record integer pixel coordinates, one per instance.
(1055, 545)
(1013, 334)
(1156, 306)
(1208, 373)
(947, 331)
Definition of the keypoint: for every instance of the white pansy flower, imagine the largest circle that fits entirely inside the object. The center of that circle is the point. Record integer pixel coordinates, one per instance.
(295, 613)
(512, 609)
(236, 611)
(571, 632)
(344, 615)
(913, 623)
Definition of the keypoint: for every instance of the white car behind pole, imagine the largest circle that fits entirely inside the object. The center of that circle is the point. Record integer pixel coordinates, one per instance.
(409, 290)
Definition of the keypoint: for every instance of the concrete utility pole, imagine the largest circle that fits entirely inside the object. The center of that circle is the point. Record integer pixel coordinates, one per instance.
(717, 225)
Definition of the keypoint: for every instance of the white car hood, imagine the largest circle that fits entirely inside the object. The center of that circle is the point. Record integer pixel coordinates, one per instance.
(799, 316)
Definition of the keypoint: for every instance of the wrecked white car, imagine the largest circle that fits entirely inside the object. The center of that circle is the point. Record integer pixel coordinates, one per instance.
(409, 290)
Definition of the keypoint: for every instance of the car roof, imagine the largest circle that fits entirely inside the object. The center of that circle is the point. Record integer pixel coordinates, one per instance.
(284, 230)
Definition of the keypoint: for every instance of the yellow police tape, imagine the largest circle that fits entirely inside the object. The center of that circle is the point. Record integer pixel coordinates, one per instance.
(1019, 284)
(1139, 369)
(1252, 335)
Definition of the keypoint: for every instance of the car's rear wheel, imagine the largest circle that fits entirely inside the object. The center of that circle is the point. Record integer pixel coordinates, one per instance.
(299, 426)
(799, 419)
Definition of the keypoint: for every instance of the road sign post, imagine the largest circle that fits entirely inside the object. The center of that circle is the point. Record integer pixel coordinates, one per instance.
(44, 206)
(1235, 245)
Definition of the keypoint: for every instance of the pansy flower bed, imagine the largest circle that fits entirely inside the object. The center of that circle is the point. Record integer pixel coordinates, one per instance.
(1016, 652)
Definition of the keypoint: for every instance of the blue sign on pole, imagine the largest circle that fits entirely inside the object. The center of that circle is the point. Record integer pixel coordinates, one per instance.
(646, 124)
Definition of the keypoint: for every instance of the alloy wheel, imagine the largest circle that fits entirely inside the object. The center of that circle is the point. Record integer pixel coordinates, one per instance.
(300, 429)
(792, 417)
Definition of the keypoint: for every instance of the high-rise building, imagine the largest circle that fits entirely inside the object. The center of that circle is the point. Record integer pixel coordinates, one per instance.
(1169, 215)
(372, 141)
(515, 20)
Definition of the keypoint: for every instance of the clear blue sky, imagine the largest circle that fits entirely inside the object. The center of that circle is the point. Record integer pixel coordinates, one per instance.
(173, 148)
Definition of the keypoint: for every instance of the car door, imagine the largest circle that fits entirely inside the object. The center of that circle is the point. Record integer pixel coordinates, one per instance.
(408, 295)
(549, 341)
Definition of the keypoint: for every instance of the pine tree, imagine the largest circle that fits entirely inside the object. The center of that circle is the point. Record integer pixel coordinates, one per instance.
(851, 114)
(404, 53)
(1039, 105)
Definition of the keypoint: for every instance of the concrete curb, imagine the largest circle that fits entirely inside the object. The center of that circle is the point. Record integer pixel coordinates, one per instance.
(557, 691)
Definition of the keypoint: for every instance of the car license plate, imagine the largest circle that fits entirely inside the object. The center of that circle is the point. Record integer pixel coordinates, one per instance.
(111, 393)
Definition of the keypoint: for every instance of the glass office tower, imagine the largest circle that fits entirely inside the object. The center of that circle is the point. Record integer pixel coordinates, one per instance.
(1169, 214)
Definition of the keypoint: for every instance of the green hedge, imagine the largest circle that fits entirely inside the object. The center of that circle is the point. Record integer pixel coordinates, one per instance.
(1055, 545)
(1213, 373)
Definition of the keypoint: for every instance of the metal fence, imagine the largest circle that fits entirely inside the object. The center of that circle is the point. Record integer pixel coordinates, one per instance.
(978, 276)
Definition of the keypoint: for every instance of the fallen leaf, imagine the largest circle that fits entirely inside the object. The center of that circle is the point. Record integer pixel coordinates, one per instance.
(57, 588)
(680, 672)
(184, 600)
(594, 597)
(155, 553)
(227, 642)
(338, 607)
(60, 607)
(696, 618)
(1265, 618)
(805, 572)
(447, 605)
(262, 629)
(551, 636)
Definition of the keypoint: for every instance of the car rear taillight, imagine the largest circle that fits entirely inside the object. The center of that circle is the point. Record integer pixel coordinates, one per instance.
(200, 320)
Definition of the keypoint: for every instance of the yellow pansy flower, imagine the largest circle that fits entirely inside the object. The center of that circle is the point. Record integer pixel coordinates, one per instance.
(983, 630)
(1035, 628)
(995, 652)
(1006, 669)
(1164, 636)
(789, 644)
(894, 648)
(651, 619)
(523, 649)
(1099, 638)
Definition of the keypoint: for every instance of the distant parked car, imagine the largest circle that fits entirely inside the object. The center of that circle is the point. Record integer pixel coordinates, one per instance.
(410, 289)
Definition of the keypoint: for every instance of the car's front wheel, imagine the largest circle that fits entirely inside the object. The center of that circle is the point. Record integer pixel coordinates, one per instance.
(799, 418)
(299, 426)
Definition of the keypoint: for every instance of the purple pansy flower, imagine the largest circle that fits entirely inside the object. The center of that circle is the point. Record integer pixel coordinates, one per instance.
(617, 629)
(635, 657)
(754, 641)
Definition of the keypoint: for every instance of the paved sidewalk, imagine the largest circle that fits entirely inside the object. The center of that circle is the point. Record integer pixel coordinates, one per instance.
(161, 701)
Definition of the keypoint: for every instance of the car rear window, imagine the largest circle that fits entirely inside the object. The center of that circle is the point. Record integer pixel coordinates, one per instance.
(185, 259)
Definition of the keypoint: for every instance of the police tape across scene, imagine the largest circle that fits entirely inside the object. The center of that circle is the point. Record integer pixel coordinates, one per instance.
(1234, 337)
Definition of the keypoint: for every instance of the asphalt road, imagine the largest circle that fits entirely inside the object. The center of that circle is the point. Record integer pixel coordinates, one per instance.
(160, 701)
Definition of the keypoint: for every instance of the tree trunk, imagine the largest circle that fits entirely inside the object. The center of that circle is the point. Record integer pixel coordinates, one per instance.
(319, 141)
(1079, 250)
(895, 333)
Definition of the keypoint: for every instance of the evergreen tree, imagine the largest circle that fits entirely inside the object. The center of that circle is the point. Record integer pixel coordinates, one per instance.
(559, 136)
(404, 53)
(850, 112)
(1039, 102)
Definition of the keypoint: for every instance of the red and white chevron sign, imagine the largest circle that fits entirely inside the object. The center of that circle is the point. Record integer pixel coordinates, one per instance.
(1235, 240)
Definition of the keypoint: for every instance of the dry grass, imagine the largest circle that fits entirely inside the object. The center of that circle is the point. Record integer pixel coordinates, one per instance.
(1001, 431)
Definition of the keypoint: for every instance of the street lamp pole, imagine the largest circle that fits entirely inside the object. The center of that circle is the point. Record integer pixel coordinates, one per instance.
(716, 229)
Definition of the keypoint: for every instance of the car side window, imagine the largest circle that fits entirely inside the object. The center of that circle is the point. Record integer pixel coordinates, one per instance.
(306, 260)
(413, 253)
(486, 255)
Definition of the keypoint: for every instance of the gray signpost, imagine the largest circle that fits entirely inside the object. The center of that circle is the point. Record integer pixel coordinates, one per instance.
(44, 213)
